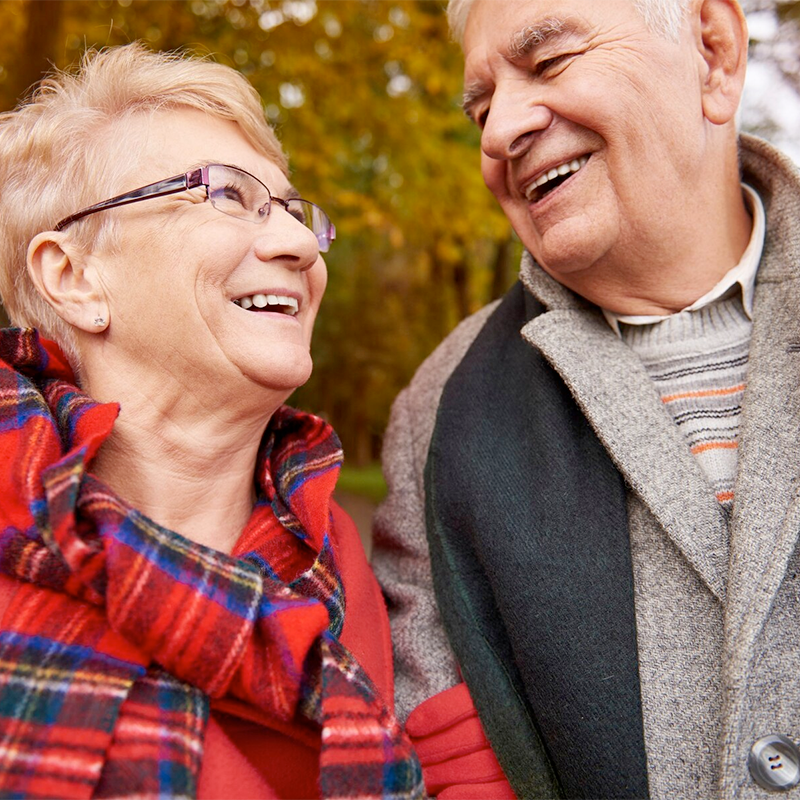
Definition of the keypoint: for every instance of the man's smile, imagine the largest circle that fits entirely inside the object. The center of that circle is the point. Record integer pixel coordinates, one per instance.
(553, 177)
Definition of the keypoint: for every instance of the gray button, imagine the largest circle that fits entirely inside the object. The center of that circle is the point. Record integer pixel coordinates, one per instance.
(774, 763)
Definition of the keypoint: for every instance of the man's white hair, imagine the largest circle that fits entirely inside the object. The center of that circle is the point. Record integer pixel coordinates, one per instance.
(663, 17)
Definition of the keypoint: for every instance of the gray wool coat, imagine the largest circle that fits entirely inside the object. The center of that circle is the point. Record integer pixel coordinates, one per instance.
(717, 603)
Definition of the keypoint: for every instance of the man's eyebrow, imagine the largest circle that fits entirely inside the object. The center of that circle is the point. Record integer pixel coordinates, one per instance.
(527, 39)
(522, 43)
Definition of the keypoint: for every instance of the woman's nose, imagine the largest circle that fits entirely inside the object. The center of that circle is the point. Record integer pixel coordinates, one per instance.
(284, 237)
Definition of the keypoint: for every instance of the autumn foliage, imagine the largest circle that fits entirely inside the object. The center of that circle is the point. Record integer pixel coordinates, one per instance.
(365, 95)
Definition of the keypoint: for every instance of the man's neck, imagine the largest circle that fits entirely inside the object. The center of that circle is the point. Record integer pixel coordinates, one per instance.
(665, 277)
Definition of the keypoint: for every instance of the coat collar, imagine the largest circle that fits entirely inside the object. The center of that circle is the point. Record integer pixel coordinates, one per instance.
(766, 516)
(622, 405)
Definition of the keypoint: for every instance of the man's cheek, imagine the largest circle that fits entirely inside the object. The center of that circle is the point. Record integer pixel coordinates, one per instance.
(494, 176)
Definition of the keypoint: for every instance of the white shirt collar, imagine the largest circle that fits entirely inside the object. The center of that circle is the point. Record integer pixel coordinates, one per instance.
(743, 274)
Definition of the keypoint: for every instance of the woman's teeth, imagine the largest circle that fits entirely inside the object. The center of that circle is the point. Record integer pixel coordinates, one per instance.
(272, 302)
(535, 190)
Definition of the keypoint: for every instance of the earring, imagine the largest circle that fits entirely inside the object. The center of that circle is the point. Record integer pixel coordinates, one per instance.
(99, 322)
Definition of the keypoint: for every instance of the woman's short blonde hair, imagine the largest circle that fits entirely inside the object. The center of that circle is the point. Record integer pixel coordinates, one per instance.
(57, 153)
(663, 17)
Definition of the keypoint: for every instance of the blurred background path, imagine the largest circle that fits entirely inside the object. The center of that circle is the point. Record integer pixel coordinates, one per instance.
(358, 492)
(361, 509)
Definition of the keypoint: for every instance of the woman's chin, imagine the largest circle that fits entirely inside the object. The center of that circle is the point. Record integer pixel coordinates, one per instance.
(282, 376)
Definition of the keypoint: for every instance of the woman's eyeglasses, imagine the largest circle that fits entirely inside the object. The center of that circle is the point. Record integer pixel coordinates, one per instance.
(230, 190)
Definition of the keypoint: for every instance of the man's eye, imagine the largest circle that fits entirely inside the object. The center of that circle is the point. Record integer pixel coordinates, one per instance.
(481, 117)
(549, 63)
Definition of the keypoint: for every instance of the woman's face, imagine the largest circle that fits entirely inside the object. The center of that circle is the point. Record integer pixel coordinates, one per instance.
(180, 265)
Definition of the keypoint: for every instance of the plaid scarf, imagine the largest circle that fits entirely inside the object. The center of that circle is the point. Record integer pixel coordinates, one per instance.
(123, 631)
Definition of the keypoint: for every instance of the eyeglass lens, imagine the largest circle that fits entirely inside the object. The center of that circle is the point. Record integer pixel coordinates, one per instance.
(239, 194)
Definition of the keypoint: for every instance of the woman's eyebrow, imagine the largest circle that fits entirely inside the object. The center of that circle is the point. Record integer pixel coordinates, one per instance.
(290, 194)
(199, 164)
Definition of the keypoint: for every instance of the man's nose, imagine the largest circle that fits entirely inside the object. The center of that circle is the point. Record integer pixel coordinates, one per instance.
(513, 120)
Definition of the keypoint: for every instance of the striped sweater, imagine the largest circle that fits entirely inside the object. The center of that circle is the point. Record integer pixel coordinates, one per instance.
(698, 363)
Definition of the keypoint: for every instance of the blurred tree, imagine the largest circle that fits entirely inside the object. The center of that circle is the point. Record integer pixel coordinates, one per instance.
(40, 41)
(771, 107)
(365, 96)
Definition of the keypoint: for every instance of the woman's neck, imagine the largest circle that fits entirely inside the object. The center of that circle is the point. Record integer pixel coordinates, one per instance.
(190, 472)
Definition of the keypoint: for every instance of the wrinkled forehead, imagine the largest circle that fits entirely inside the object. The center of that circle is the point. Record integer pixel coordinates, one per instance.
(512, 30)
(507, 21)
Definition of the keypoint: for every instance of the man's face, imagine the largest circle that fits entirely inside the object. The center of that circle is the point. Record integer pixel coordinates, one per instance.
(592, 127)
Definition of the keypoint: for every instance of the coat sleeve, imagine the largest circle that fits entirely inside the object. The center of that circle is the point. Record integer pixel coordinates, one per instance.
(424, 662)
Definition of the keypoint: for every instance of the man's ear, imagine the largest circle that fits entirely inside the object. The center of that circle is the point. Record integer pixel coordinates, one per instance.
(721, 38)
(68, 280)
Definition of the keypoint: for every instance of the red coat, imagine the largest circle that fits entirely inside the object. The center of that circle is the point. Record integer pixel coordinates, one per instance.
(247, 755)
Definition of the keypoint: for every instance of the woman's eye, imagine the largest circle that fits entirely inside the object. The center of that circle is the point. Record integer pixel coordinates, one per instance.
(227, 193)
(297, 213)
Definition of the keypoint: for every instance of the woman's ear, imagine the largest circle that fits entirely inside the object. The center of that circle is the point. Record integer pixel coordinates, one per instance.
(722, 39)
(68, 280)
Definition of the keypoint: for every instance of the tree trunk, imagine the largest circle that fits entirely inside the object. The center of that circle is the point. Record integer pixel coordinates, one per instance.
(461, 286)
(437, 300)
(501, 274)
(42, 38)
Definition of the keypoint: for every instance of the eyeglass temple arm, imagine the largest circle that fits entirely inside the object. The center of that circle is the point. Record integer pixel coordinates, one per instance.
(169, 186)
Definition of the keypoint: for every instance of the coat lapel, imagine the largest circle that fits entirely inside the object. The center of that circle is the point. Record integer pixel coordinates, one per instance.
(621, 403)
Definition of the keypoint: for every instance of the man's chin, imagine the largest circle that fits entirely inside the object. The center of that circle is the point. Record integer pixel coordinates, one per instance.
(571, 245)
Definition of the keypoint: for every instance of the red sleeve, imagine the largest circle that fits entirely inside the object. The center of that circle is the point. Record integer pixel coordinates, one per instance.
(366, 630)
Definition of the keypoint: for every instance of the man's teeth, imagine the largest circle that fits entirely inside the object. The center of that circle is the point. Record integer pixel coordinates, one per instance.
(282, 303)
(567, 168)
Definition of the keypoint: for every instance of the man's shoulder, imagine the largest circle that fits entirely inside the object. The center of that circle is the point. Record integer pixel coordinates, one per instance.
(414, 411)
(432, 375)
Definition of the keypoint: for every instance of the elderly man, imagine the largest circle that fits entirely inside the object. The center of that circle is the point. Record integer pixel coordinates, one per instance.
(599, 475)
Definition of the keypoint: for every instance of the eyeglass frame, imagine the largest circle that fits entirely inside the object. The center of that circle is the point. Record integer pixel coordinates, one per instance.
(192, 180)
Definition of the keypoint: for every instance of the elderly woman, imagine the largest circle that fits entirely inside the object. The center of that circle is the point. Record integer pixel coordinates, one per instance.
(183, 609)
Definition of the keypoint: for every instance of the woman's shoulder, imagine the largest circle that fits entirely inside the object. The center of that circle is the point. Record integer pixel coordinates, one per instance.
(366, 630)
